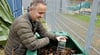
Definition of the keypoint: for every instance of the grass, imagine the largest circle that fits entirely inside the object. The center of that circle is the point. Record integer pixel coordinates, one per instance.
(86, 18)
(98, 21)
(44, 24)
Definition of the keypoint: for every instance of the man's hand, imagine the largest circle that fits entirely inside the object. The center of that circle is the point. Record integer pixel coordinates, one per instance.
(62, 38)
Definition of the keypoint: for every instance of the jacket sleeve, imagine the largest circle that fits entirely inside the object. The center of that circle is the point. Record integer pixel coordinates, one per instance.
(27, 37)
(44, 33)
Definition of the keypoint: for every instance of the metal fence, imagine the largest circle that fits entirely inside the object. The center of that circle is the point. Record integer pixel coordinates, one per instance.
(56, 22)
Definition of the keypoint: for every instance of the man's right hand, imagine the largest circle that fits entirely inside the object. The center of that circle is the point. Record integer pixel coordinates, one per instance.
(62, 38)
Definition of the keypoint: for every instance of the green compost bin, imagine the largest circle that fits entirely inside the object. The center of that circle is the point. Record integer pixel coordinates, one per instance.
(71, 43)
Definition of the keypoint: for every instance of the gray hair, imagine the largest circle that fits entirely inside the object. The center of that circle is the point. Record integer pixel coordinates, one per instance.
(35, 2)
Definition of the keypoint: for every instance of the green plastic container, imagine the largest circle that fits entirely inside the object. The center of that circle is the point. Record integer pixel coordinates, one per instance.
(71, 43)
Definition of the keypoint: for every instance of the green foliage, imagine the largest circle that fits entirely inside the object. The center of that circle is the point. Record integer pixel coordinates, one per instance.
(44, 23)
(6, 18)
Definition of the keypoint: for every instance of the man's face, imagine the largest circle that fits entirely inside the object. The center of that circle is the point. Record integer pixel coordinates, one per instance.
(38, 12)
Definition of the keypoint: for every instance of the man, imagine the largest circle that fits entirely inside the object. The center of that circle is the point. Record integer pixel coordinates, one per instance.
(21, 35)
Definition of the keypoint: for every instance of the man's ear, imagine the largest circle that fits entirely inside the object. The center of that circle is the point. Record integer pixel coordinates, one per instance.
(30, 9)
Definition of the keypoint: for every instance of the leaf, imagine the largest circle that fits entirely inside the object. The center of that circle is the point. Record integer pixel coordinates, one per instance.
(6, 19)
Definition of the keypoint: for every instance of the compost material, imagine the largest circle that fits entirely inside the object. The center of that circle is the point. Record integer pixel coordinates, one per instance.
(53, 51)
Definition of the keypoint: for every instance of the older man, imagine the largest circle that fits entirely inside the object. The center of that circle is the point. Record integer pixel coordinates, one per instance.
(21, 35)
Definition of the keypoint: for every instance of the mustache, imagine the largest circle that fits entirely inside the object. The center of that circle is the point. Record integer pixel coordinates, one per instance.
(39, 17)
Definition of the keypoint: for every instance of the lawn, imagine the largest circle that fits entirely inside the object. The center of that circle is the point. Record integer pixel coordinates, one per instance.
(86, 18)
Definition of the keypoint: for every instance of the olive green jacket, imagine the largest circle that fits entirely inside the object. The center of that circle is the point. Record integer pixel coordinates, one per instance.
(21, 36)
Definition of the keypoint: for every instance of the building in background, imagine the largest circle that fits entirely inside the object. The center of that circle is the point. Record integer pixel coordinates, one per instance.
(16, 7)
